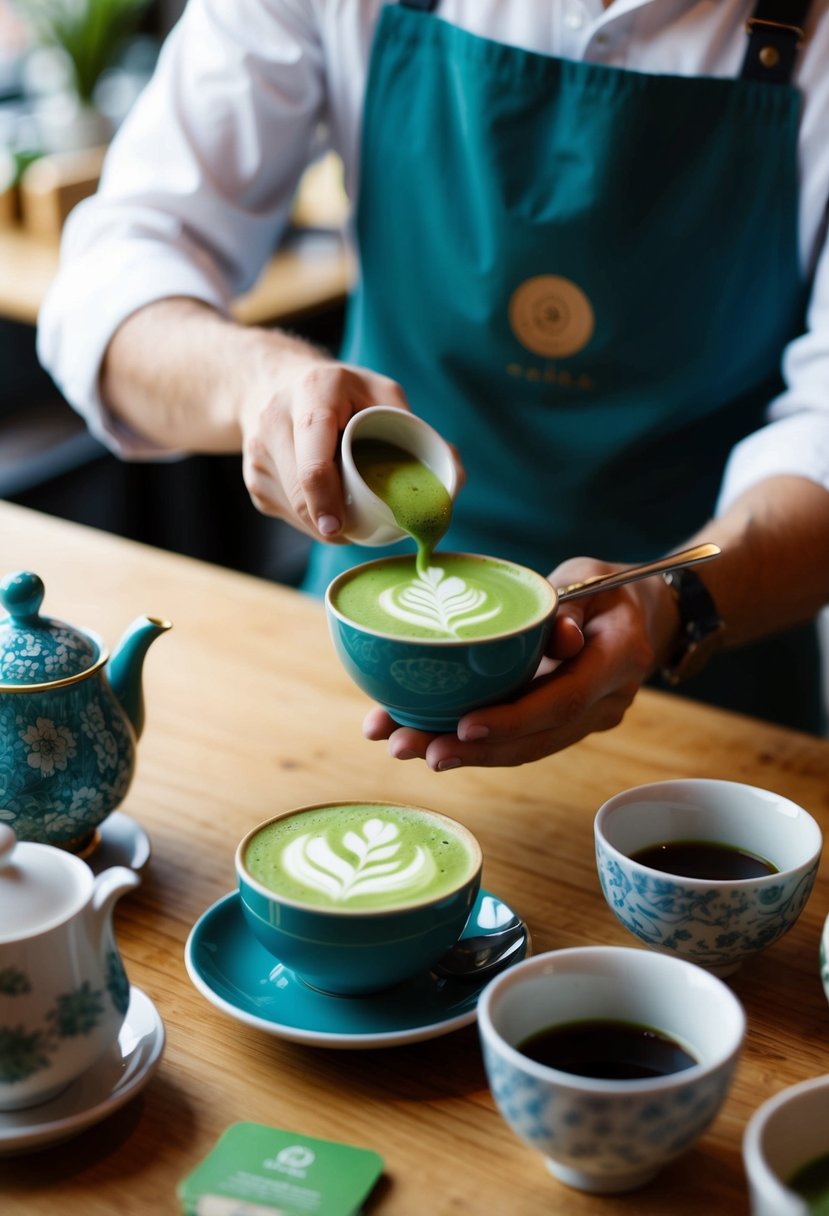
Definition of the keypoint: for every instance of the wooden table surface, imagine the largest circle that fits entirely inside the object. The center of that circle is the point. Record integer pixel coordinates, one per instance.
(248, 713)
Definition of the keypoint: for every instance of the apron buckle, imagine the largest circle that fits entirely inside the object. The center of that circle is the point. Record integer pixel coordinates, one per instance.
(758, 23)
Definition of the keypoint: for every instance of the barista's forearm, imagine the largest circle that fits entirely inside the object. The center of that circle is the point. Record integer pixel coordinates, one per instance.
(774, 567)
(181, 374)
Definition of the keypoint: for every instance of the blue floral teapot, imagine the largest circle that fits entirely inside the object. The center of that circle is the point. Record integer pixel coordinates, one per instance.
(70, 717)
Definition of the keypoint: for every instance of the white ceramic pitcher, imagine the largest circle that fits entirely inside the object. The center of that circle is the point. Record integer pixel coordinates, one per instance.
(63, 989)
(369, 520)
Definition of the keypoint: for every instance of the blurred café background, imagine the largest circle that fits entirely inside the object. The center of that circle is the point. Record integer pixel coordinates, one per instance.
(69, 72)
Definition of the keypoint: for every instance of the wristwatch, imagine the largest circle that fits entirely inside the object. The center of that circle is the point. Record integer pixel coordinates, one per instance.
(702, 629)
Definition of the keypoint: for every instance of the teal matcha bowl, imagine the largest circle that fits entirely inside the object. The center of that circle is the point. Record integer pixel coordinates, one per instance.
(335, 943)
(426, 667)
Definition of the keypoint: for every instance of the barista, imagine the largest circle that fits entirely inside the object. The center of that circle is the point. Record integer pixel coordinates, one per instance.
(591, 254)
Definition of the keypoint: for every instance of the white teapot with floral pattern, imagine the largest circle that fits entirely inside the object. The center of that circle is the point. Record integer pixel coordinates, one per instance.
(70, 717)
(63, 989)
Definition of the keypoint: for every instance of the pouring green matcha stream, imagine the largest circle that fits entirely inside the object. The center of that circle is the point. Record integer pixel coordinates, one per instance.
(418, 500)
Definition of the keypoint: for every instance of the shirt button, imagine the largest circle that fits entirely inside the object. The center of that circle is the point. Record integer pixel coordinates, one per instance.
(574, 18)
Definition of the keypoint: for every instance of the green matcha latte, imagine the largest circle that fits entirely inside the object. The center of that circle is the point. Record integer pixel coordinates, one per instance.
(458, 597)
(361, 856)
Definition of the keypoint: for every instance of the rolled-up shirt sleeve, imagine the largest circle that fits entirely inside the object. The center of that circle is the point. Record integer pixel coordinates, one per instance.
(199, 182)
(795, 440)
(196, 191)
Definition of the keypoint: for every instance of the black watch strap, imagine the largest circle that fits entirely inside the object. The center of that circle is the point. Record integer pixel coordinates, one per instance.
(701, 626)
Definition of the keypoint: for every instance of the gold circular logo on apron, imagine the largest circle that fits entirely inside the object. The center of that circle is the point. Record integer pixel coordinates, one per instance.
(551, 316)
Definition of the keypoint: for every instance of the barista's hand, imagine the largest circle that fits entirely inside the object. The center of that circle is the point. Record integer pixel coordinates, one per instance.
(290, 437)
(602, 649)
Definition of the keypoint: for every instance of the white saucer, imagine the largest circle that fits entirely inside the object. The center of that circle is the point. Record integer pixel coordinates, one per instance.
(121, 842)
(238, 975)
(99, 1092)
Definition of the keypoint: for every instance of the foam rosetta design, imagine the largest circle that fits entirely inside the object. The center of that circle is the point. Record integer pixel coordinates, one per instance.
(368, 863)
(438, 602)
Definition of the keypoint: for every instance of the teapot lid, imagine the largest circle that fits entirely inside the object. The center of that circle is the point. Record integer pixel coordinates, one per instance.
(40, 885)
(35, 649)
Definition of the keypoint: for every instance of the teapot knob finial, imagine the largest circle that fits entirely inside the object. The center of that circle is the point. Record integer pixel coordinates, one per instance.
(21, 594)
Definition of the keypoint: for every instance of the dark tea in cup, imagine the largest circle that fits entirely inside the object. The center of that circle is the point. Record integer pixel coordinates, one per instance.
(607, 1049)
(707, 859)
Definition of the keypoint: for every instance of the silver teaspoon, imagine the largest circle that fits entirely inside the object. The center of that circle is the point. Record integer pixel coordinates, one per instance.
(603, 582)
(479, 956)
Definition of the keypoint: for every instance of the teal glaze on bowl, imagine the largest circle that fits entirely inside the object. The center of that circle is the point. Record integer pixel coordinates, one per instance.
(356, 952)
(430, 683)
(349, 950)
(70, 717)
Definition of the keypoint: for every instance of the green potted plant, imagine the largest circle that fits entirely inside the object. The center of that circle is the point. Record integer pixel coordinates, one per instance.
(89, 35)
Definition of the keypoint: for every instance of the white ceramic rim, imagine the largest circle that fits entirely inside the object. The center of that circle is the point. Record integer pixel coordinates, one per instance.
(652, 790)
(601, 1085)
(455, 826)
(424, 437)
(543, 614)
(754, 1159)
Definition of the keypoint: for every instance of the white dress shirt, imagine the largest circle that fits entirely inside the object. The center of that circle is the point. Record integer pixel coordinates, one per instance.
(199, 182)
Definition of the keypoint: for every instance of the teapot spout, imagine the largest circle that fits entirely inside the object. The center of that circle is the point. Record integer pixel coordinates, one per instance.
(124, 668)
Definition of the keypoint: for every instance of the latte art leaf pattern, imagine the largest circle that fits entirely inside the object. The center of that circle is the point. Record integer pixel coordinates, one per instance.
(373, 864)
(436, 602)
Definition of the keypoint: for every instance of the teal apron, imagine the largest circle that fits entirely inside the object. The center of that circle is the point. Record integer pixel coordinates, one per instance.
(584, 278)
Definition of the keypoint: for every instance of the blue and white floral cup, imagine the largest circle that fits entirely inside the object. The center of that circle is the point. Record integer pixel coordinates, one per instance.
(63, 989)
(788, 1132)
(716, 923)
(597, 1134)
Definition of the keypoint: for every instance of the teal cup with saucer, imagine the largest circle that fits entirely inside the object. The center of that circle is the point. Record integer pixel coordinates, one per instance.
(355, 897)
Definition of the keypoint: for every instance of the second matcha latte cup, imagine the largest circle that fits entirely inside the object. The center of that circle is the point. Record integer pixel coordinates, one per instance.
(355, 897)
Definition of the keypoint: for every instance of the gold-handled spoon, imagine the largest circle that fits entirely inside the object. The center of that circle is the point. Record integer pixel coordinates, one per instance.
(603, 582)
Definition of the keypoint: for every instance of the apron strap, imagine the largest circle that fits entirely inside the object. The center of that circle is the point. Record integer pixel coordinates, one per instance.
(775, 35)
